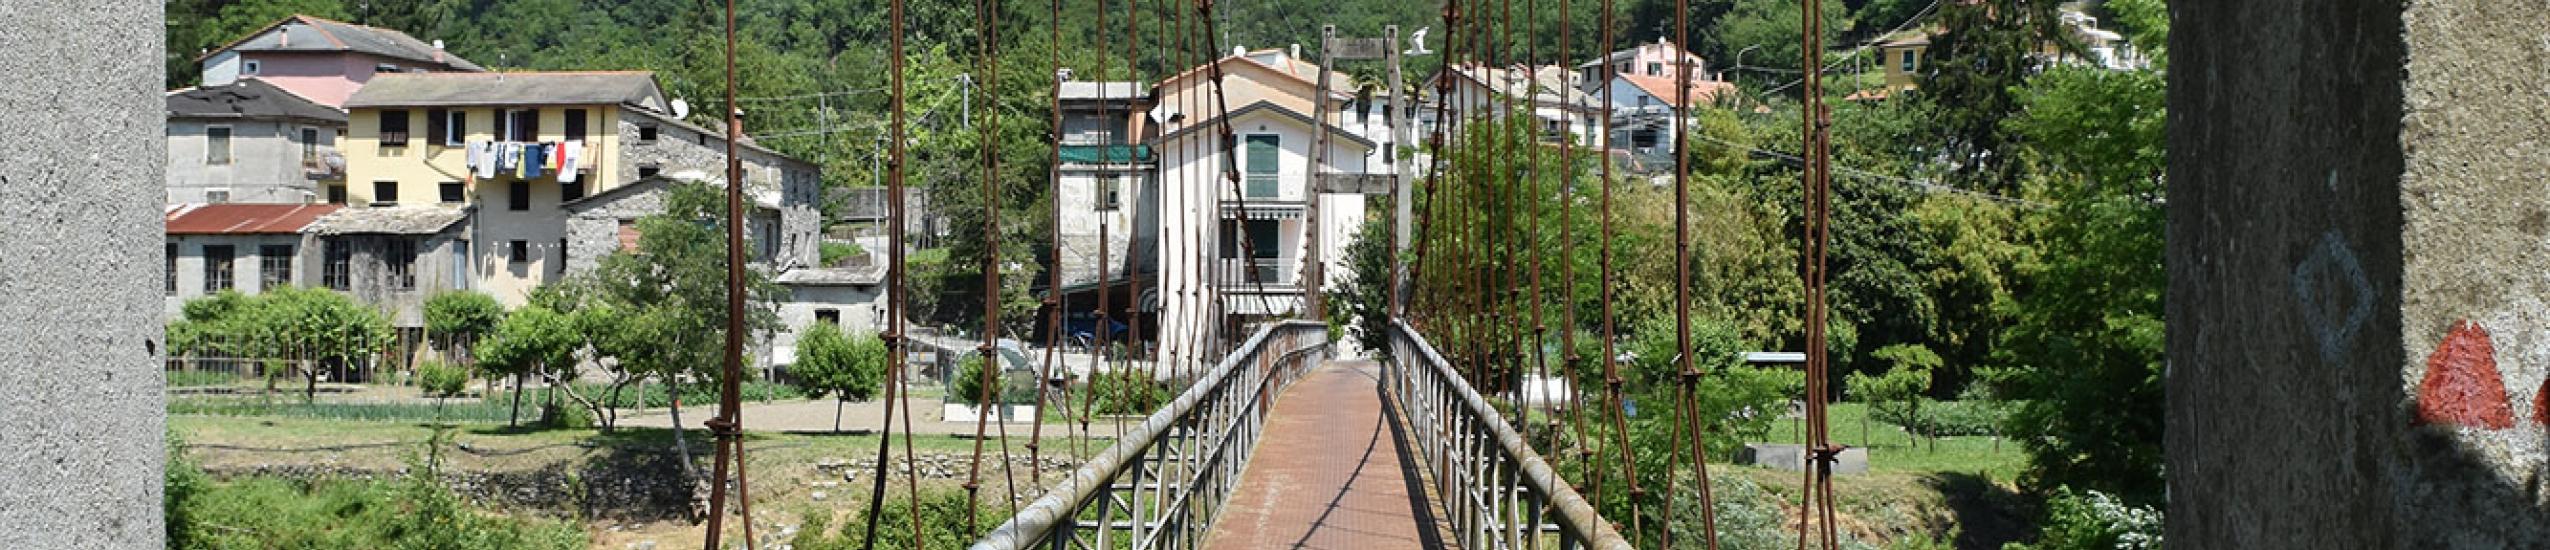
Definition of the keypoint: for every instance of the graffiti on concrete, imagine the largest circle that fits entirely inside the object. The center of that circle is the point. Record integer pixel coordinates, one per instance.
(2462, 386)
(2337, 299)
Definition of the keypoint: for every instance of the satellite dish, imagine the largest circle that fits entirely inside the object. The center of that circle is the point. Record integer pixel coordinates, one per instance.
(681, 109)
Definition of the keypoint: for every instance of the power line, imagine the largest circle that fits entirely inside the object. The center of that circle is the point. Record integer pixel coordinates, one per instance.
(1926, 186)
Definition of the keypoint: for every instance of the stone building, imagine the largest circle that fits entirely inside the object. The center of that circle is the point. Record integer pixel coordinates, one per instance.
(244, 247)
(393, 258)
(251, 141)
(617, 126)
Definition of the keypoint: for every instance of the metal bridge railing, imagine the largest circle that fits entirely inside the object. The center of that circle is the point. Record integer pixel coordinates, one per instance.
(1497, 492)
(1162, 483)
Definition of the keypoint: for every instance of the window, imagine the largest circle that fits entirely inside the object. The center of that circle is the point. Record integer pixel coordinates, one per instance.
(649, 171)
(172, 269)
(454, 192)
(216, 196)
(1263, 165)
(250, 67)
(447, 128)
(561, 266)
(335, 270)
(646, 133)
(336, 194)
(518, 251)
(274, 266)
(1108, 187)
(384, 193)
(385, 68)
(217, 145)
(1263, 237)
(393, 131)
(1908, 61)
(310, 144)
(522, 125)
(575, 125)
(218, 267)
(1642, 138)
(520, 192)
(402, 263)
(1624, 69)
(1655, 69)
(570, 191)
(828, 316)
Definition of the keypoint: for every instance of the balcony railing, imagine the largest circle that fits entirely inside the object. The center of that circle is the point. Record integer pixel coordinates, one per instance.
(1163, 482)
(1270, 272)
(1263, 186)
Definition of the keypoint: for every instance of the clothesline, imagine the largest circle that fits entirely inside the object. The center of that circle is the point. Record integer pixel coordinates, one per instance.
(525, 160)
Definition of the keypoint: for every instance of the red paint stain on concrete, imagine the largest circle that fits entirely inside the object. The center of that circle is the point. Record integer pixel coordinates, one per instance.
(2541, 405)
(2462, 386)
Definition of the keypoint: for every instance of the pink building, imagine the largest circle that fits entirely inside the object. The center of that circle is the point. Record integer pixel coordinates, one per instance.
(324, 60)
(1654, 59)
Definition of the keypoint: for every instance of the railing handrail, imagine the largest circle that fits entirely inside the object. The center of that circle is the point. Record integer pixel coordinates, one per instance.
(1060, 504)
(1575, 515)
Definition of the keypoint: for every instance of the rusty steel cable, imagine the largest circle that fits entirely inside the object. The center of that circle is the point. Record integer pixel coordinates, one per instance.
(1568, 358)
(1612, 380)
(1690, 373)
(728, 422)
(897, 369)
(1817, 489)
(987, 29)
(1098, 344)
(1054, 289)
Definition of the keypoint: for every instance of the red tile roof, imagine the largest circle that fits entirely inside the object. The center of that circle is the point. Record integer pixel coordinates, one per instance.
(244, 219)
(1702, 91)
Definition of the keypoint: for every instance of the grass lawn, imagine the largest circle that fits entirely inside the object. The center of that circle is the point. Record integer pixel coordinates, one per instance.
(1891, 449)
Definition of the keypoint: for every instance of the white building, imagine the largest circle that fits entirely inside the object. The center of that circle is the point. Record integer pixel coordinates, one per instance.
(1560, 109)
(1235, 253)
(1110, 206)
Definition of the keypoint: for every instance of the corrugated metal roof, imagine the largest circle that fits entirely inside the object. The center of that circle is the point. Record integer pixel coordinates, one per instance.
(833, 276)
(249, 98)
(1113, 91)
(302, 33)
(244, 219)
(510, 88)
(405, 220)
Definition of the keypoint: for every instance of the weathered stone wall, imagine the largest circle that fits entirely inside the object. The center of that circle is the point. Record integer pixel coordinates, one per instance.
(80, 265)
(2357, 254)
(680, 148)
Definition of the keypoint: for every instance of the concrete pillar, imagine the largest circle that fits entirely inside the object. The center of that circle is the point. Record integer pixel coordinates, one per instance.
(80, 337)
(2359, 261)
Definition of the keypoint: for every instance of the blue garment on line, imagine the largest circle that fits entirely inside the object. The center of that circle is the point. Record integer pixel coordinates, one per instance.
(531, 162)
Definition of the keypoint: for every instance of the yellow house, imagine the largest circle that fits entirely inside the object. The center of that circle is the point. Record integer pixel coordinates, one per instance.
(432, 140)
(1902, 54)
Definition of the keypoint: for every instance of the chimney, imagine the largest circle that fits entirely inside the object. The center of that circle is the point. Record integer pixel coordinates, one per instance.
(438, 50)
(1297, 51)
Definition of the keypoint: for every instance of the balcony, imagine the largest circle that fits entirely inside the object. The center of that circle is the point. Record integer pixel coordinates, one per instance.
(1107, 154)
(1282, 273)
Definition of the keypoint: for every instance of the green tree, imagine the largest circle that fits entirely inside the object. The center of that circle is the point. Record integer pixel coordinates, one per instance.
(846, 367)
(2087, 331)
(1362, 302)
(440, 381)
(455, 319)
(1899, 392)
(1975, 69)
(531, 339)
(661, 310)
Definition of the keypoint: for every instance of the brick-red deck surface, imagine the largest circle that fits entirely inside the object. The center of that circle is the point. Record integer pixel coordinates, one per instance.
(1331, 473)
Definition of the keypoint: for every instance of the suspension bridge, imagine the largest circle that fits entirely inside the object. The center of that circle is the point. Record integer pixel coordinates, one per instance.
(1285, 437)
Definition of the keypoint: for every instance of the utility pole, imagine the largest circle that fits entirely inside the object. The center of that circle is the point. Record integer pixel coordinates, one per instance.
(1401, 133)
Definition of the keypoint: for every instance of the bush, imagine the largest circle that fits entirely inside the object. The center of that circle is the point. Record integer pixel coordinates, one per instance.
(1016, 387)
(835, 252)
(414, 511)
(1945, 418)
(942, 524)
(439, 379)
(1136, 394)
(2089, 520)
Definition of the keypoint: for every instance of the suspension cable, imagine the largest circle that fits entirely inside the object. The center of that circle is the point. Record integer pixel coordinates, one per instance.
(896, 364)
(1612, 380)
(1817, 491)
(1053, 302)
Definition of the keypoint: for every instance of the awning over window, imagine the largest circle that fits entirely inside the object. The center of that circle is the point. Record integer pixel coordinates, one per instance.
(1106, 154)
(1262, 304)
